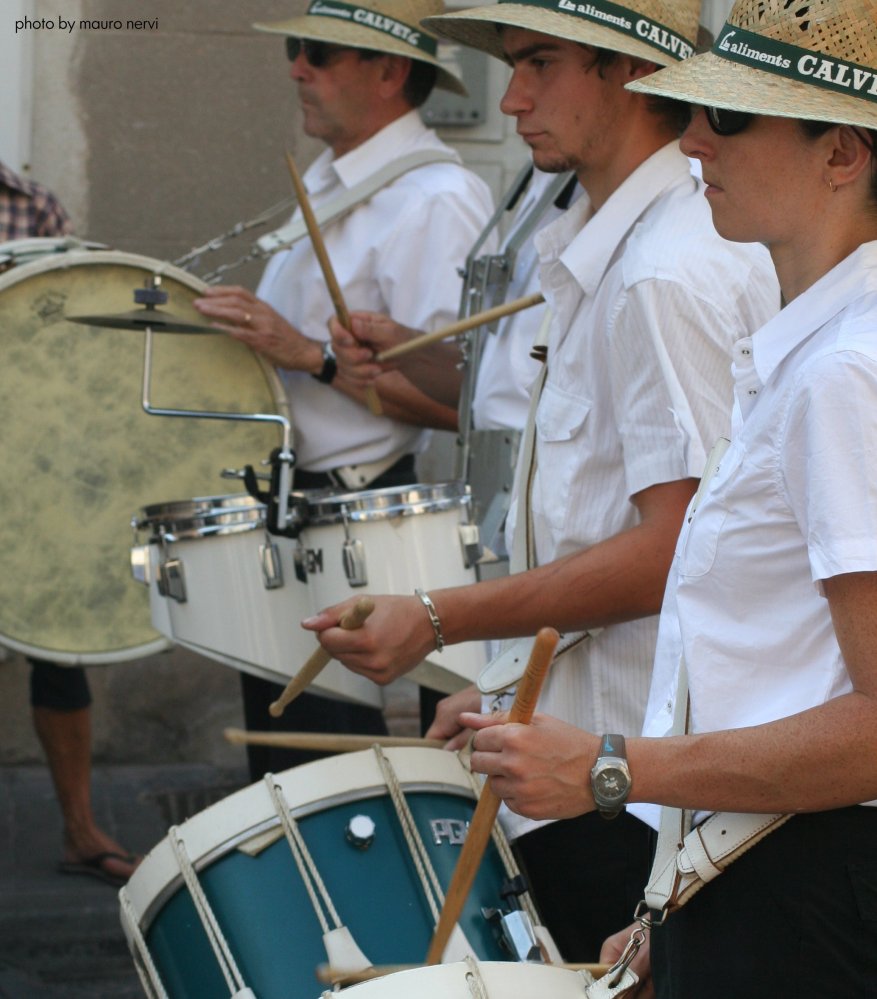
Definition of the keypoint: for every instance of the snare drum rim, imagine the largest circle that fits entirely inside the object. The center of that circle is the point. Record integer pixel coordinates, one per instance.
(201, 517)
(309, 788)
(385, 504)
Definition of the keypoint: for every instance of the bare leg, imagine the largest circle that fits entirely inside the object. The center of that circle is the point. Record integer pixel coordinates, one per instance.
(66, 740)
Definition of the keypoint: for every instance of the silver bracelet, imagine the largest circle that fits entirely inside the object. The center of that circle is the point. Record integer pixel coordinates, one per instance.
(433, 619)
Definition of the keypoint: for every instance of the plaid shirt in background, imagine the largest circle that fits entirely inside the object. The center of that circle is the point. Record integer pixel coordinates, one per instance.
(28, 209)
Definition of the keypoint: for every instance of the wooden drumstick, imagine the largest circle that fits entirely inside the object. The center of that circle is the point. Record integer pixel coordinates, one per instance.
(313, 227)
(327, 742)
(331, 976)
(318, 661)
(461, 326)
(484, 816)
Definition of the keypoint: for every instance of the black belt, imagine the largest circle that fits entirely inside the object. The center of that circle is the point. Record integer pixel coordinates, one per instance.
(400, 474)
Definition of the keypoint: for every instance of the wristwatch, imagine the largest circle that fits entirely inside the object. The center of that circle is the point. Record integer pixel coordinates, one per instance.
(330, 365)
(610, 777)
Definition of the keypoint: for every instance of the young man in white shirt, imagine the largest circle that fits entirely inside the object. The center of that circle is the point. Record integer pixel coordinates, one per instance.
(647, 301)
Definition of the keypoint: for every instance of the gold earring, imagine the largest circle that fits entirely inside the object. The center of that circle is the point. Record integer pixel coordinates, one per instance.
(832, 186)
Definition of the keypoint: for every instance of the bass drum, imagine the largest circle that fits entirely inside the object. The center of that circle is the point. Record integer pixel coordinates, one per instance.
(79, 455)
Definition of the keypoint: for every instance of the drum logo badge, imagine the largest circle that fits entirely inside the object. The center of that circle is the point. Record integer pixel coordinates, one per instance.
(452, 831)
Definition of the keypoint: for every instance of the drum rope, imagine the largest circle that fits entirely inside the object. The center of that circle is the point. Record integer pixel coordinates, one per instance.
(477, 985)
(304, 861)
(432, 888)
(503, 848)
(218, 943)
(146, 969)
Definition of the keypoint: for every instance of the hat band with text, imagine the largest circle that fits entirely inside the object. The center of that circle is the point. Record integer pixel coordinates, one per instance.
(622, 19)
(368, 18)
(794, 63)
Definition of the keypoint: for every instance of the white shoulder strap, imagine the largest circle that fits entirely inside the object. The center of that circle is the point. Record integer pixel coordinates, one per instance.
(678, 870)
(293, 231)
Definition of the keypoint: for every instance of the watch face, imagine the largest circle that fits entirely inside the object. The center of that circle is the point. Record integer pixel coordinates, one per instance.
(611, 783)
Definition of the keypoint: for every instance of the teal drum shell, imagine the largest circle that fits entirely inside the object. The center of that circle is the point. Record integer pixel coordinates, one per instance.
(267, 917)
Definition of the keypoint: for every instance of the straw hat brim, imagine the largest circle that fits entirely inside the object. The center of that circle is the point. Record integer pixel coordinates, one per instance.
(357, 36)
(478, 27)
(714, 81)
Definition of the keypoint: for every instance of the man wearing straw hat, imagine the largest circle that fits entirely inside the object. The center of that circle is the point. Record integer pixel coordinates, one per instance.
(361, 71)
(647, 301)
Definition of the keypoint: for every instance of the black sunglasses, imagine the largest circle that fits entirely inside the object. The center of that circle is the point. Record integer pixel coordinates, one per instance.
(318, 54)
(725, 122)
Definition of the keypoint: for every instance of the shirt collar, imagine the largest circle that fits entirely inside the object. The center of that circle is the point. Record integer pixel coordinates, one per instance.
(391, 142)
(853, 277)
(590, 251)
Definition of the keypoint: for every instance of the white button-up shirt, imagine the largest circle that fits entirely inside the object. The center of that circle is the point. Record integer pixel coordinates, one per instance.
(647, 302)
(507, 371)
(397, 253)
(793, 502)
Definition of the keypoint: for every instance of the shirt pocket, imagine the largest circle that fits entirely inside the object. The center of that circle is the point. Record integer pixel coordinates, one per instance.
(561, 421)
(702, 529)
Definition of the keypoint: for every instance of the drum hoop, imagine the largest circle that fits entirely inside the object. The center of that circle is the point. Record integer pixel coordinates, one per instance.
(63, 259)
(202, 517)
(228, 846)
(386, 504)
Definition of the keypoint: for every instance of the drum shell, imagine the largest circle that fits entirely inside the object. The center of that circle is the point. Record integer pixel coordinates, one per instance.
(229, 613)
(410, 537)
(260, 901)
(501, 980)
(79, 454)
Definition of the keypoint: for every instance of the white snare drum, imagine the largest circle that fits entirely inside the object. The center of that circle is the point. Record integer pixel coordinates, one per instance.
(339, 866)
(79, 454)
(221, 585)
(394, 541)
(473, 980)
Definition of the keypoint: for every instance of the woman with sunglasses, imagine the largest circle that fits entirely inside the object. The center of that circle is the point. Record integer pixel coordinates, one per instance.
(771, 606)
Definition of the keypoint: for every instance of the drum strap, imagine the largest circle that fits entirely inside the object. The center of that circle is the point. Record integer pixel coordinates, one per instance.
(331, 211)
(686, 859)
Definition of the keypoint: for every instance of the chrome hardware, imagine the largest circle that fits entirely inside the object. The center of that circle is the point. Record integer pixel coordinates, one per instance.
(272, 568)
(172, 580)
(360, 832)
(353, 555)
(470, 539)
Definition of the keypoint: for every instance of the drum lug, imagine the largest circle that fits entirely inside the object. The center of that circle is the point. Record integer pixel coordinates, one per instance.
(140, 564)
(514, 925)
(172, 580)
(470, 540)
(300, 562)
(272, 568)
(353, 555)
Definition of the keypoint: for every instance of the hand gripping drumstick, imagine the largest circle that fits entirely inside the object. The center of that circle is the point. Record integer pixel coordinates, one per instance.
(484, 816)
(352, 620)
(461, 326)
(313, 227)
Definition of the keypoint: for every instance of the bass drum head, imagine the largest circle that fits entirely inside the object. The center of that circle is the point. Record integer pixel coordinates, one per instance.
(80, 456)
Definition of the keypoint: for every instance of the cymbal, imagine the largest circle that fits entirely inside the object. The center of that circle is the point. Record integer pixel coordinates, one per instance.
(140, 319)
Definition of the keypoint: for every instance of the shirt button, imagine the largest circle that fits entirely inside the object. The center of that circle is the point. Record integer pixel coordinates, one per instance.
(753, 391)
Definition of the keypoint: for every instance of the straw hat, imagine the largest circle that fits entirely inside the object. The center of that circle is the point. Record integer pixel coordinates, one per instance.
(662, 31)
(382, 25)
(816, 61)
